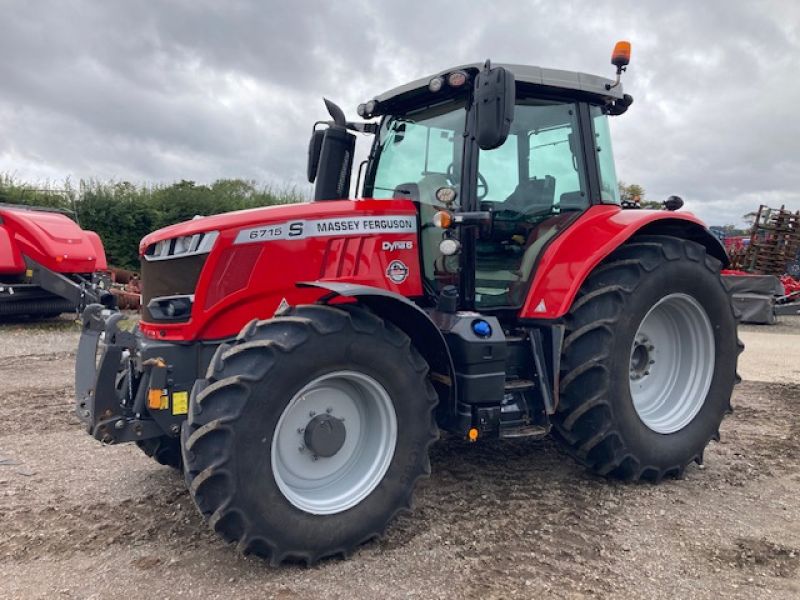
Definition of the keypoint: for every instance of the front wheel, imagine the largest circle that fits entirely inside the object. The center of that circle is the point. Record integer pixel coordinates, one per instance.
(310, 433)
(649, 361)
(164, 450)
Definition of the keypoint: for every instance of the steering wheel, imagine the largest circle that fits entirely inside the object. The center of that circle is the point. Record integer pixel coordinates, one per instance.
(481, 190)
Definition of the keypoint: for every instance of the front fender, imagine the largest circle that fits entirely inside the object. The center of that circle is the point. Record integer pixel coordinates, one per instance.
(415, 323)
(570, 257)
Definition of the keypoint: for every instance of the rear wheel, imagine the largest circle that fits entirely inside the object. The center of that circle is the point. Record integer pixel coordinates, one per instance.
(649, 361)
(310, 433)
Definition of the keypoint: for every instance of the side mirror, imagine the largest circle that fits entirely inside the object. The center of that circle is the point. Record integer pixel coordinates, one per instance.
(673, 203)
(314, 150)
(495, 95)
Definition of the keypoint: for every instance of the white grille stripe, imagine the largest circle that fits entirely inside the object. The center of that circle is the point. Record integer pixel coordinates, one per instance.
(337, 226)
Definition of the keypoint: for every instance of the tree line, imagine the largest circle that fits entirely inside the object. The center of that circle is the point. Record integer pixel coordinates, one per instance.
(122, 213)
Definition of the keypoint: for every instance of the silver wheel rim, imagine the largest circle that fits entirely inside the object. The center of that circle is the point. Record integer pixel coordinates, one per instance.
(672, 363)
(326, 485)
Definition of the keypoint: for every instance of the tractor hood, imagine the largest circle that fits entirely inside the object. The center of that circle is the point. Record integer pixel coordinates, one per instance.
(51, 239)
(273, 214)
(202, 285)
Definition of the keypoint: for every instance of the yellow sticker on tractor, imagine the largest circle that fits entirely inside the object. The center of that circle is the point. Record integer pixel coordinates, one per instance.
(180, 403)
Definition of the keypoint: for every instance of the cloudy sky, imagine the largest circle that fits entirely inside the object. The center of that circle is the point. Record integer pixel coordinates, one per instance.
(201, 89)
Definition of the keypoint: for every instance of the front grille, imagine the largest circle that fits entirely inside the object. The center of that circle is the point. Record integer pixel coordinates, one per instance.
(173, 277)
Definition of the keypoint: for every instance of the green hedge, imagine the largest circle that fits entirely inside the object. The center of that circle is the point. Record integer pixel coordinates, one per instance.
(123, 213)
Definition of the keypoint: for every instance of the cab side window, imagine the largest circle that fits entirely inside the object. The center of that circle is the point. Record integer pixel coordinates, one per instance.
(609, 190)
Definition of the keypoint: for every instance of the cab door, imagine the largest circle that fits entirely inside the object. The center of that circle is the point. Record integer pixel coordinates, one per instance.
(533, 186)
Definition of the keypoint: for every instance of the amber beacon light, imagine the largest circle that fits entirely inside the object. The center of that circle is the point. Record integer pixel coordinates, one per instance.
(621, 55)
(620, 58)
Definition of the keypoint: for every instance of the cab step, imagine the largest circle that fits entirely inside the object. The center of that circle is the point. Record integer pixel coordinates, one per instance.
(519, 385)
(526, 431)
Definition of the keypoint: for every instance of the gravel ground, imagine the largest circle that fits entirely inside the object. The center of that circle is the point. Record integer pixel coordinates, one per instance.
(497, 520)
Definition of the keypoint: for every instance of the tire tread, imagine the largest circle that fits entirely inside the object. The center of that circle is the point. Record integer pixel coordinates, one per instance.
(222, 396)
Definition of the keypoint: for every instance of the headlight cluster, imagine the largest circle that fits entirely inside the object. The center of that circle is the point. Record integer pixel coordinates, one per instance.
(186, 245)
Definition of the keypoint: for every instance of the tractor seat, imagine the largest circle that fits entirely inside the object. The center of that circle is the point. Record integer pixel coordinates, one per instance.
(570, 201)
(531, 194)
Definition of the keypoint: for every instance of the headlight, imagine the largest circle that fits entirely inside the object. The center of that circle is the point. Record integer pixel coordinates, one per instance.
(185, 245)
(171, 308)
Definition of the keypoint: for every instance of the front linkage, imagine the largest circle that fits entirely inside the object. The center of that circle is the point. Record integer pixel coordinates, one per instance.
(104, 389)
(138, 388)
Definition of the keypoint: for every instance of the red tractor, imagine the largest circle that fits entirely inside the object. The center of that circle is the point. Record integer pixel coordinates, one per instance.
(48, 264)
(298, 361)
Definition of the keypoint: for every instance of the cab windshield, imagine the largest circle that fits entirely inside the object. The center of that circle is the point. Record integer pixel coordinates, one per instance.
(418, 153)
(417, 149)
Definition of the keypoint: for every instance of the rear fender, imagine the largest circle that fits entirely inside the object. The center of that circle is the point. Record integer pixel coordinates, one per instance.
(571, 257)
(414, 322)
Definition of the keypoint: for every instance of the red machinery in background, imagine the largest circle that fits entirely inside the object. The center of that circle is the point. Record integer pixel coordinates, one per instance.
(48, 264)
(764, 266)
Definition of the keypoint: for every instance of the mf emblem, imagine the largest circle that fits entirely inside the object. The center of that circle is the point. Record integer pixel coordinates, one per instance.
(397, 271)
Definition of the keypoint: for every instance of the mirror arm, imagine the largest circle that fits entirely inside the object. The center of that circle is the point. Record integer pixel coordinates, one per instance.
(351, 125)
(476, 217)
(363, 127)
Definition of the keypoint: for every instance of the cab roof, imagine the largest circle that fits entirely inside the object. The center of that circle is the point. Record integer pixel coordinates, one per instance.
(591, 85)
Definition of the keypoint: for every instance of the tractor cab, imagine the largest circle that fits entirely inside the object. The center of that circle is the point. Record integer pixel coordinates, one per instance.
(498, 160)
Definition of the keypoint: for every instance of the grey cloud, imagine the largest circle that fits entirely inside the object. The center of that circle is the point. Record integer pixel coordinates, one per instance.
(200, 90)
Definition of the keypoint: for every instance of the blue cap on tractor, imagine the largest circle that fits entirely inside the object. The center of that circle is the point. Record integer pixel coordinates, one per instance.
(481, 328)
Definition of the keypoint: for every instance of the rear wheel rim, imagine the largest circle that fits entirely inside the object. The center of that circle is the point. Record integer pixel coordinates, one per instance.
(672, 363)
(328, 485)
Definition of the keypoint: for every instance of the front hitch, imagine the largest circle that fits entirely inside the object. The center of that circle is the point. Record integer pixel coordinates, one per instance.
(98, 402)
